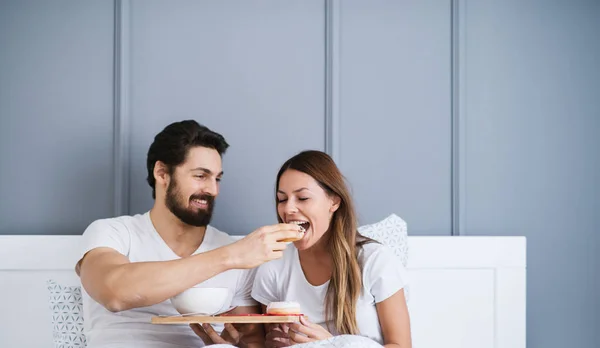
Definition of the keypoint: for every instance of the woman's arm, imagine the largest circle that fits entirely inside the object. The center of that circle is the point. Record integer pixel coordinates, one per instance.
(394, 321)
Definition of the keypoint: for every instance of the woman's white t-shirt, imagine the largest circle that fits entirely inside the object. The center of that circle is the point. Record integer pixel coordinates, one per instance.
(283, 280)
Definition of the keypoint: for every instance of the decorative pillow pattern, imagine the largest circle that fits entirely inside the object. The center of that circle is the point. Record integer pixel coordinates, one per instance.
(67, 315)
(390, 232)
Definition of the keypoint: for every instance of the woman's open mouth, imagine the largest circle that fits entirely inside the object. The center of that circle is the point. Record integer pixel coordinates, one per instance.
(303, 224)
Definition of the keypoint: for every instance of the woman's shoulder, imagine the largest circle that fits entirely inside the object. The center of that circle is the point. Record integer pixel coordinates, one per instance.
(382, 271)
(370, 249)
(374, 255)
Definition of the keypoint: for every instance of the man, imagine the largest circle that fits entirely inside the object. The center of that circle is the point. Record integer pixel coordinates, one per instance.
(131, 266)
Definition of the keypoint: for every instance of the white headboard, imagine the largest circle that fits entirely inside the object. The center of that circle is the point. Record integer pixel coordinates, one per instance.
(465, 292)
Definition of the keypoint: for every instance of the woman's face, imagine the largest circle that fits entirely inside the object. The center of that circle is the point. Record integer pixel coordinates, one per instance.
(301, 200)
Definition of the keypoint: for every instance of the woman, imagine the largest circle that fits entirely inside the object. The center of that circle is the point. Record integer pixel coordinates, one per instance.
(344, 282)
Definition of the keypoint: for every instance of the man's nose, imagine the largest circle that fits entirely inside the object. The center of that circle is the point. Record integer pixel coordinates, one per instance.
(212, 188)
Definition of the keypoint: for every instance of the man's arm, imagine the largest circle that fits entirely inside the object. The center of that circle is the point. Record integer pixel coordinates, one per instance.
(113, 281)
(117, 284)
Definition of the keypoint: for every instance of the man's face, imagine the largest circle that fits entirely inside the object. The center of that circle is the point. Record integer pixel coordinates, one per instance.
(194, 185)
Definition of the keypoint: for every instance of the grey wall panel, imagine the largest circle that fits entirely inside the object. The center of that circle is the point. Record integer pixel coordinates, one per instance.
(394, 113)
(251, 70)
(532, 135)
(55, 115)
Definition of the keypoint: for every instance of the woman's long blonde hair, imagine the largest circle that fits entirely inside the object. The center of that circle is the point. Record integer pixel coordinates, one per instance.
(344, 240)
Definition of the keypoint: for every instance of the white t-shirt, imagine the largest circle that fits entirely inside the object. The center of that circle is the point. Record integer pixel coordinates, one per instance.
(382, 276)
(136, 238)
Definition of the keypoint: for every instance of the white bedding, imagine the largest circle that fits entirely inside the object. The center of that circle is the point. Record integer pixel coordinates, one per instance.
(334, 342)
(466, 292)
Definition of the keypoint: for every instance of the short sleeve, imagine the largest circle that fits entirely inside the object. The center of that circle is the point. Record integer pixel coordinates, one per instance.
(265, 288)
(242, 296)
(105, 233)
(384, 274)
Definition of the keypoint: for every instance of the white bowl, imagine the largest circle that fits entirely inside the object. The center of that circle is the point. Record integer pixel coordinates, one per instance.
(202, 301)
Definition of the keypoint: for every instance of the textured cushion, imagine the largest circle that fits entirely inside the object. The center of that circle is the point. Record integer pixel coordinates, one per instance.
(390, 232)
(67, 315)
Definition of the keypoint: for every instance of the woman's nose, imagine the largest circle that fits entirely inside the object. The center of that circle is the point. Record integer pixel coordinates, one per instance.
(290, 208)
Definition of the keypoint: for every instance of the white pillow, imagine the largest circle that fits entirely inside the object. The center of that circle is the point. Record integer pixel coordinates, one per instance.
(67, 315)
(390, 232)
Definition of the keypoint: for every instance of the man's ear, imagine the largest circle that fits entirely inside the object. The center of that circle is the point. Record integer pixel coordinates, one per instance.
(161, 173)
(336, 201)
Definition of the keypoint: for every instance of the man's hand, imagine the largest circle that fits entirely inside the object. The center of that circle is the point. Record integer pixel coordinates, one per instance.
(277, 337)
(240, 335)
(229, 336)
(263, 245)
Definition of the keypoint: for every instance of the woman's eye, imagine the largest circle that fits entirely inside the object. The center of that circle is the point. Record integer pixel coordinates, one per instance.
(281, 200)
(302, 198)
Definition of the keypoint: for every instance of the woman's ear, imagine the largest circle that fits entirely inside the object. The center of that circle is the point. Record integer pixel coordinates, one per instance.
(335, 203)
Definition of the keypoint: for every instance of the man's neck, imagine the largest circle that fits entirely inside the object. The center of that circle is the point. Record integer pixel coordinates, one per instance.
(182, 238)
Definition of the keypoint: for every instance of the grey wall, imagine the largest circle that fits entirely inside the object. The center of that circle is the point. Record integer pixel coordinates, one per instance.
(465, 117)
(251, 70)
(530, 121)
(395, 110)
(56, 122)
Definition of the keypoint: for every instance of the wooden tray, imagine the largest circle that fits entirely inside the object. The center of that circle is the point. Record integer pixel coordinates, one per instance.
(246, 318)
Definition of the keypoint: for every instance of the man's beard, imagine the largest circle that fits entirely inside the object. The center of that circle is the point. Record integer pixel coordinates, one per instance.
(196, 217)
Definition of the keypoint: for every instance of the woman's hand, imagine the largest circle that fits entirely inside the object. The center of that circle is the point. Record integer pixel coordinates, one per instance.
(305, 331)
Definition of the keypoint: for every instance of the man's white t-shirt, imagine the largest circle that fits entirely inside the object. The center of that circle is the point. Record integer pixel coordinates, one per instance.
(382, 276)
(136, 238)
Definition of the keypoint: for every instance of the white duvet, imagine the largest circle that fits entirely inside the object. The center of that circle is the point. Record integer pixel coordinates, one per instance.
(334, 342)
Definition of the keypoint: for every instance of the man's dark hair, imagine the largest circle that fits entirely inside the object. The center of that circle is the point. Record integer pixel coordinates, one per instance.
(172, 144)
